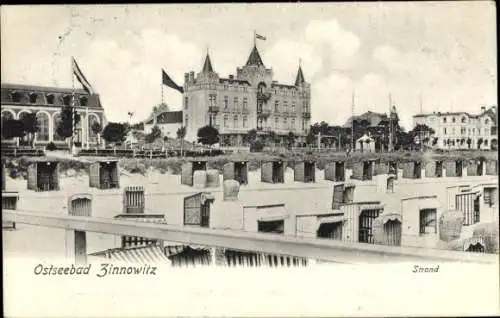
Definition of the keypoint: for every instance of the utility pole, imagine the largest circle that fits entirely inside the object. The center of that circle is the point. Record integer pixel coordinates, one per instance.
(352, 122)
(390, 123)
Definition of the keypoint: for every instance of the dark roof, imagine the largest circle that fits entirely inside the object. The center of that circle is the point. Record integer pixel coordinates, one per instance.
(282, 85)
(254, 58)
(207, 66)
(233, 81)
(372, 117)
(7, 89)
(300, 77)
(169, 118)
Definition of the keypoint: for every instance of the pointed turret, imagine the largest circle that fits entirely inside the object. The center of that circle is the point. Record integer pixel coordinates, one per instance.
(254, 58)
(207, 66)
(300, 77)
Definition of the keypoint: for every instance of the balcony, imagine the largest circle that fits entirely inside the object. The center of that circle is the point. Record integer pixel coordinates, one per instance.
(263, 113)
(263, 96)
(306, 115)
(213, 109)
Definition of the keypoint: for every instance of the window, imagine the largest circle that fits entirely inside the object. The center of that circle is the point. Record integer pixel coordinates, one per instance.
(489, 196)
(390, 185)
(16, 97)
(452, 119)
(486, 142)
(236, 121)
(277, 123)
(463, 131)
(50, 99)
(444, 120)
(245, 121)
(226, 87)
(245, 89)
(67, 100)
(464, 119)
(428, 224)
(43, 124)
(486, 121)
(293, 92)
(285, 106)
(479, 131)
(226, 121)
(285, 123)
(56, 120)
(33, 97)
(276, 106)
(186, 102)
(271, 226)
(186, 121)
(235, 103)
(468, 204)
(444, 131)
(245, 103)
(366, 218)
(453, 131)
(493, 130)
(292, 124)
(486, 131)
(293, 107)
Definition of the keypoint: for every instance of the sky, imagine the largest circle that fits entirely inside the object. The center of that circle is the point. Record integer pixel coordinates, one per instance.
(429, 56)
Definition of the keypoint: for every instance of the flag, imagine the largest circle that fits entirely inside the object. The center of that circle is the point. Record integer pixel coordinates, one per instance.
(81, 78)
(167, 81)
(260, 37)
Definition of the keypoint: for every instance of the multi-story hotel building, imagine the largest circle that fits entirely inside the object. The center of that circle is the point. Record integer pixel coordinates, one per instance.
(249, 100)
(18, 100)
(461, 130)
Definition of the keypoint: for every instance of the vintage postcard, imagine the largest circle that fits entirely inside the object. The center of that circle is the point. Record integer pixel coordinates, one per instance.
(253, 159)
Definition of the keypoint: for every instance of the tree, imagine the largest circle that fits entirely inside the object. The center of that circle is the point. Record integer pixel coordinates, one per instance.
(181, 134)
(250, 137)
(208, 135)
(469, 141)
(291, 139)
(435, 141)
(30, 126)
(68, 119)
(96, 127)
(154, 134)
(13, 128)
(479, 143)
(115, 132)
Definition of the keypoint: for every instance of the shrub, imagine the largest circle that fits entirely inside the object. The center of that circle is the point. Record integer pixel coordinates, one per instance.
(51, 146)
(256, 146)
(78, 144)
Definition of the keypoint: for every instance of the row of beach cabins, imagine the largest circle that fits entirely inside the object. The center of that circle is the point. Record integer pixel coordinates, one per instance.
(358, 222)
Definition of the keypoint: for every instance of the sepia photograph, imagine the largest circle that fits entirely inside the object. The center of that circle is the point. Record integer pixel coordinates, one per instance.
(250, 159)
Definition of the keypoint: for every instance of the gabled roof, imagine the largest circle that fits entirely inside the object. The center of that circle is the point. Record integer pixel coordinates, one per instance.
(254, 59)
(300, 77)
(207, 66)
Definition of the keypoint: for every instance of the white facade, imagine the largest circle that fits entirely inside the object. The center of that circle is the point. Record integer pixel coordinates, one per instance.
(462, 130)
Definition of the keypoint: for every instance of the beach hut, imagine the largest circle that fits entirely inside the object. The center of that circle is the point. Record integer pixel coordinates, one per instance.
(434, 169)
(197, 209)
(134, 241)
(365, 144)
(133, 200)
(381, 167)
(9, 202)
(236, 170)
(387, 229)
(492, 167)
(412, 170)
(305, 171)
(188, 256)
(363, 170)
(43, 175)
(188, 169)
(104, 174)
(335, 171)
(338, 196)
(273, 172)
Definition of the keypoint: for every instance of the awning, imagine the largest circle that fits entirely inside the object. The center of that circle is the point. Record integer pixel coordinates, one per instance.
(271, 218)
(376, 206)
(331, 219)
(207, 197)
(468, 242)
(142, 254)
(172, 250)
(384, 218)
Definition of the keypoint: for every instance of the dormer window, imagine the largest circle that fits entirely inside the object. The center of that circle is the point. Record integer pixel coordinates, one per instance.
(464, 119)
(453, 119)
(84, 101)
(16, 97)
(486, 121)
(33, 98)
(444, 120)
(50, 99)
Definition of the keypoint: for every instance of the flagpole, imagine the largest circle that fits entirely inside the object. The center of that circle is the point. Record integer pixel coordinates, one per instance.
(254, 38)
(72, 108)
(162, 89)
